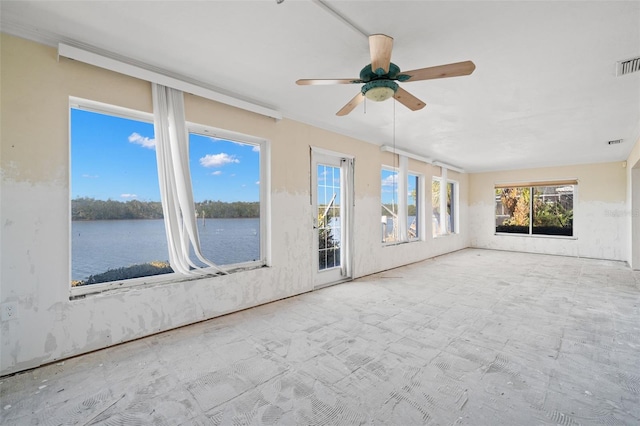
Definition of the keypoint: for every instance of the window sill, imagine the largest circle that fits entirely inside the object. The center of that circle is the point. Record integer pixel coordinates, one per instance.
(451, 234)
(553, 237)
(81, 292)
(393, 244)
(399, 243)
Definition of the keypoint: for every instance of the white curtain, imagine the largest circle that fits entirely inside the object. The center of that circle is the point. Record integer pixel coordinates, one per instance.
(348, 202)
(172, 152)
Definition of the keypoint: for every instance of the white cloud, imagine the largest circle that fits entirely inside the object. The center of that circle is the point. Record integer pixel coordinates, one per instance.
(243, 144)
(390, 180)
(143, 141)
(128, 196)
(218, 160)
(256, 148)
(217, 173)
(257, 182)
(216, 139)
(87, 176)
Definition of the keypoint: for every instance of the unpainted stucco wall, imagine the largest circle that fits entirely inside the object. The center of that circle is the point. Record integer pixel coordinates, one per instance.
(35, 215)
(600, 227)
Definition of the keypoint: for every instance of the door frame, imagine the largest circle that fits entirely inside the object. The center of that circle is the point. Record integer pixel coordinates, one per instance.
(347, 163)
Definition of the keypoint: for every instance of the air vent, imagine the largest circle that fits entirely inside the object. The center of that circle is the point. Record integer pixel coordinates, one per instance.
(628, 66)
(614, 142)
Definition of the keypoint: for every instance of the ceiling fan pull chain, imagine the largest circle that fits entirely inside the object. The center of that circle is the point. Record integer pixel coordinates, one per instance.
(395, 158)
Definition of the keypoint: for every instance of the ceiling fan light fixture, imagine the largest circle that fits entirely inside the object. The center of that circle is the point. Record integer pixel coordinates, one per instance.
(379, 94)
(379, 90)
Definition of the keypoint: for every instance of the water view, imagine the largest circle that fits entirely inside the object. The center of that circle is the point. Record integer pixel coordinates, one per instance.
(100, 245)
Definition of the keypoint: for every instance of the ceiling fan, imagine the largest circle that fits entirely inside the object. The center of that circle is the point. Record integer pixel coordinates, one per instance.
(380, 77)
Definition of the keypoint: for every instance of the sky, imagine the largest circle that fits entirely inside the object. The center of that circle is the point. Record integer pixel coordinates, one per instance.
(114, 158)
(389, 187)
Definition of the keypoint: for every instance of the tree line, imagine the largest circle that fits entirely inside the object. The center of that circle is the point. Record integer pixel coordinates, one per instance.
(85, 208)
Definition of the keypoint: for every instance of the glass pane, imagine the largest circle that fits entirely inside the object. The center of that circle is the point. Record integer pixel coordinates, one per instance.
(553, 210)
(322, 256)
(512, 210)
(336, 256)
(329, 217)
(389, 211)
(225, 176)
(412, 206)
(116, 215)
(435, 202)
(450, 208)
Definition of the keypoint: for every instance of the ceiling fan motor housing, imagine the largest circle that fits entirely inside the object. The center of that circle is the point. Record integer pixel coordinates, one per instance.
(380, 86)
(367, 74)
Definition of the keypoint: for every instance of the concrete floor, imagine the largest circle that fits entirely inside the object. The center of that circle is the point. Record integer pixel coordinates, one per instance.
(474, 337)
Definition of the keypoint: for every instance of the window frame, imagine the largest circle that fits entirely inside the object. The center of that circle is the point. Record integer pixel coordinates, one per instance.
(532, 185)
(402, 182)
(455, 221)
(141, 282)
(265, 185)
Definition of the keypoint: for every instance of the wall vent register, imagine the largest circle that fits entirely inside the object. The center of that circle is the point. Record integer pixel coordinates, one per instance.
(628, 66)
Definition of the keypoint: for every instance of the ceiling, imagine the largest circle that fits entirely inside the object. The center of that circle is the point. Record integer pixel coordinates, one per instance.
(544, 92)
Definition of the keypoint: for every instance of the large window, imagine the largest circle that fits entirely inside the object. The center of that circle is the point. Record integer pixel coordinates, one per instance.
(117, 228)
(444, 220)
(535, 209)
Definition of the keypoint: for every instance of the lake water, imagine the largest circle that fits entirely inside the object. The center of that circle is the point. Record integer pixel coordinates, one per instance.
(100, 245)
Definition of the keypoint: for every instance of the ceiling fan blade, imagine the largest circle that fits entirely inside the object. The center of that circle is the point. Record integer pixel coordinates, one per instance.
(441, 71)
(380, 46)
(408, 100)
(357, 99)
(326, 81)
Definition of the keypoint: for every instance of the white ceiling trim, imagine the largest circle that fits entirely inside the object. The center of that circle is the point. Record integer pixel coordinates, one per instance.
(448, 167)
(394, 150)
(324, 6)
(105, 61)
(387, 148)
